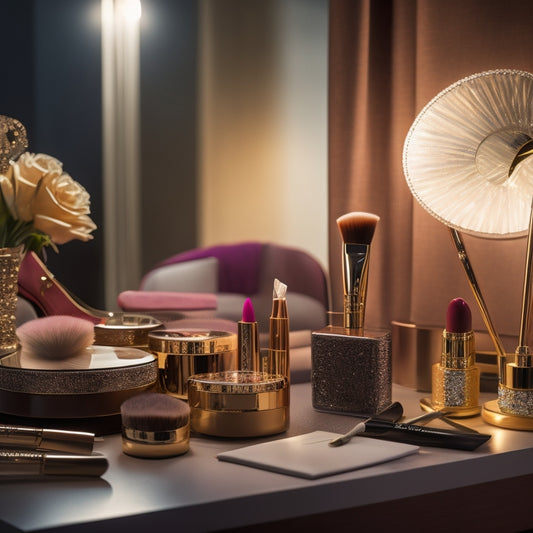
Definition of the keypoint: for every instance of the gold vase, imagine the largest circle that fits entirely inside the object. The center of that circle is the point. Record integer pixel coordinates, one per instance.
(10, 259)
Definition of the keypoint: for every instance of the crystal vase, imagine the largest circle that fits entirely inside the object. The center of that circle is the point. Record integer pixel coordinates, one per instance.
(10, 259)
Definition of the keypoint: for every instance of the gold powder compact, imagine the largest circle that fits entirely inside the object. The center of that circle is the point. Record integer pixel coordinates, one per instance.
(184, 353)
(239, 404)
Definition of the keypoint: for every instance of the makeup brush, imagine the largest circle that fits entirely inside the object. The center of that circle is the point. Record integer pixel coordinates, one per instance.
(357, 230)
(155, 425)
(413, 434)
(55, 337)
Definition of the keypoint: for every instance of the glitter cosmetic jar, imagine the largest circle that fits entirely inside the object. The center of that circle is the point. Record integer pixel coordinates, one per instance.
(351, 374)
(125, 329)
(184, 353)
(239, 404)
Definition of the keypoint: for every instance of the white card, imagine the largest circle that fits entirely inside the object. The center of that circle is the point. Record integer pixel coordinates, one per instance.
(309, 455)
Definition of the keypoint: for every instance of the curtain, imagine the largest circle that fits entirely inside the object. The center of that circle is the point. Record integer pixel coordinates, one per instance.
(388, 58)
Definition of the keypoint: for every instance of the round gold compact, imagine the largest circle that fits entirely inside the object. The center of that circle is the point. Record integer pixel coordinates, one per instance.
(91, 384)
(125, 329)
(239, 404)
(184, 353)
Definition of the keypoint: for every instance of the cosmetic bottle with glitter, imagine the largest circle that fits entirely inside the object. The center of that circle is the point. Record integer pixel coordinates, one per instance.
(455, 380)
(351, 364)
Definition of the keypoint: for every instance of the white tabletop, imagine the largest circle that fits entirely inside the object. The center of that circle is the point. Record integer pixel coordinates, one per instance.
(196, 492)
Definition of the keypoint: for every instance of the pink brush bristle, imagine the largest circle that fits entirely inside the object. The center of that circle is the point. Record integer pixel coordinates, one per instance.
(56, 337)
(357, 227)
(248, 314)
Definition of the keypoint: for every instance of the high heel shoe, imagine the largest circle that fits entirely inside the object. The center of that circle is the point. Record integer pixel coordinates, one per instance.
(38, 285)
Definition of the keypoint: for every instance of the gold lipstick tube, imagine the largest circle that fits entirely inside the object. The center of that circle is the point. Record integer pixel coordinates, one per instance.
(248, 346)
(355, 277)
(455, 380)
(77, 442)
(279, 338)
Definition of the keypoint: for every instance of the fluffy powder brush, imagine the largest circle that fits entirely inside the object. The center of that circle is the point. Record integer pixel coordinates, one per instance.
(55, 338)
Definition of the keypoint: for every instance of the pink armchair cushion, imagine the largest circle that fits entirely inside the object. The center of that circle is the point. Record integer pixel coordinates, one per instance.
(162, 300)
(238, 265)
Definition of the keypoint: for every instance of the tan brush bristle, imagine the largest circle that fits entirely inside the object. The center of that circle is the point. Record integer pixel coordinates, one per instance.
(357, 227)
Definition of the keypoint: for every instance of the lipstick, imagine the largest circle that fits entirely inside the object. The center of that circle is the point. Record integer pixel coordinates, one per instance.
(357, 230)
(248, 339)
(455, 379)
(279, 332)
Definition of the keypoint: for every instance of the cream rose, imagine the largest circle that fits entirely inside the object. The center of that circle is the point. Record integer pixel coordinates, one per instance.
(22, 181)
(60, 208)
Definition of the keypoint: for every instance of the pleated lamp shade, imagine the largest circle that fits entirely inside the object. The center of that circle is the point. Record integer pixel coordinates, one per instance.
(460, 155)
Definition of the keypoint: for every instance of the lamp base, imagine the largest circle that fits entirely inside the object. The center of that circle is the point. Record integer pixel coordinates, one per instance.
(492, 414)
(451, 412)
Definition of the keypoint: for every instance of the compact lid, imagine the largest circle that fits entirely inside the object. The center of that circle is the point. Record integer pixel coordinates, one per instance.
(192, 341)
(237, 382)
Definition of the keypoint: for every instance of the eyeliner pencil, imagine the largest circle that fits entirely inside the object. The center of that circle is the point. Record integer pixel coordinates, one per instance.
(418, 435)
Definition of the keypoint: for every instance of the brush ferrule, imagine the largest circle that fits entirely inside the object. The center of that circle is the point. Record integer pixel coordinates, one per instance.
(156, 437)
(355, 277)
(168, 443)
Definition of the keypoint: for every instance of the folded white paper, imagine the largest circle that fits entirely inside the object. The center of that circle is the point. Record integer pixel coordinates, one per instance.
(309, 455)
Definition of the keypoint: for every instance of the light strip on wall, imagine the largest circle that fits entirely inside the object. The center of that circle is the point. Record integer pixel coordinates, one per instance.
(121, 146)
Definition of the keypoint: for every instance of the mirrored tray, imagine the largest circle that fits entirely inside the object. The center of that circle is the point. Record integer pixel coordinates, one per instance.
(92, 384)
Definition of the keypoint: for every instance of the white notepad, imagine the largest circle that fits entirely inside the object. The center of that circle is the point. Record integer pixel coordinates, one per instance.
(309, 455)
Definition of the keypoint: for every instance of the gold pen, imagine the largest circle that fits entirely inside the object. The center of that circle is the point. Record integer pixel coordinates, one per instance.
(46, 439)
(279, 332)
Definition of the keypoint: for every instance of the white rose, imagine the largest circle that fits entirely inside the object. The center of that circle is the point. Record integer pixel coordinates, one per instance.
(60, 209)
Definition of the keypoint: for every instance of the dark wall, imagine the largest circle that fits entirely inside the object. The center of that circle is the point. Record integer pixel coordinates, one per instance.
(68, 124)
(17, 42)
(52, 83)
(169, 93)
(51, 61)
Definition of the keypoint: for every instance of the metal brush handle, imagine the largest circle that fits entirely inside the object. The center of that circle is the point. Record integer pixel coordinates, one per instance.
(463, 256)
(522, 352)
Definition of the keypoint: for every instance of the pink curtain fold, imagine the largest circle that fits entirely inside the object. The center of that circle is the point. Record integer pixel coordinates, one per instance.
(388, 58)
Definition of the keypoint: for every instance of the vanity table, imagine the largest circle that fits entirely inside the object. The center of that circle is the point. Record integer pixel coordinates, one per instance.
(488, 489)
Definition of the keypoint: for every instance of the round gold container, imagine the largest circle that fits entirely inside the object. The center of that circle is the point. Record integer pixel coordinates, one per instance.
(239, 404)
(125, 329)
(184, 353)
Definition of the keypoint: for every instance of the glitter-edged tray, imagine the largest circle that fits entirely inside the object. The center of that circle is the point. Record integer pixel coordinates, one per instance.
(93, 384)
